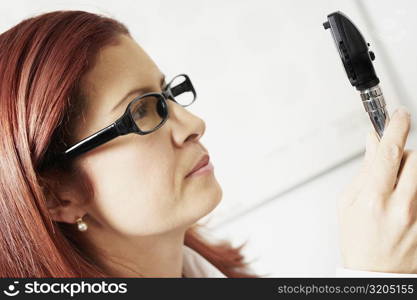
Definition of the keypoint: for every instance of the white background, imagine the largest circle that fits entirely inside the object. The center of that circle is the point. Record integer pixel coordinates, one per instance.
(285, 129)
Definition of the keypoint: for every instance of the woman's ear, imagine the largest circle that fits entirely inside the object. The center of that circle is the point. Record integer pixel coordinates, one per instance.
(63, 198)
(67, 211)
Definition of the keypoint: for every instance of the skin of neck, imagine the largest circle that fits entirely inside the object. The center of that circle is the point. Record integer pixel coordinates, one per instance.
(158, 255)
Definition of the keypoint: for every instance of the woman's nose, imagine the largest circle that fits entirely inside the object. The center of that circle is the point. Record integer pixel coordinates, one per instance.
(184, 124)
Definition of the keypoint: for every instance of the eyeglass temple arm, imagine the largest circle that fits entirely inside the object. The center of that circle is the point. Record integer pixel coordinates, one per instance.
(121, 126)
(100, 137)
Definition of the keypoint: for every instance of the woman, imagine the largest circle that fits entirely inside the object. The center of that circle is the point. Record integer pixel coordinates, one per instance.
(125, 208)
(99, 157)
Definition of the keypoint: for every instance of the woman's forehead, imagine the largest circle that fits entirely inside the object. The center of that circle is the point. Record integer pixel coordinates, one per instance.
(118, 69)
(123, 62)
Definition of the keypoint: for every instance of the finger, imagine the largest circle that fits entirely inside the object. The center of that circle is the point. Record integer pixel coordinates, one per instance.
(401, 204)
(356, 185)
(372, 144)
(406, 188)
(384, 167)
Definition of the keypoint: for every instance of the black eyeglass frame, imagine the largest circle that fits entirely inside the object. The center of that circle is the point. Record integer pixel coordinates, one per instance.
(125, 123)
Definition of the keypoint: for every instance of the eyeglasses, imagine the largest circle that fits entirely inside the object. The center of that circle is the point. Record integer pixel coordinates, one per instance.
(143, 115)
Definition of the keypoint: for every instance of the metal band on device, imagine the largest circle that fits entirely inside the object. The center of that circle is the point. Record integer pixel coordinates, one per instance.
(374, 103)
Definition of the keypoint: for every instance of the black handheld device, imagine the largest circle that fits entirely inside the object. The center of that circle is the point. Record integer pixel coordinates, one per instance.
(357, 61)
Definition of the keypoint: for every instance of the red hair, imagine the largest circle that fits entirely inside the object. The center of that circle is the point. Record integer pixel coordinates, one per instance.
(42, 60)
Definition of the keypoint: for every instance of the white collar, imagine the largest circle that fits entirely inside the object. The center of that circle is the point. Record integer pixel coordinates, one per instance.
(195, 265)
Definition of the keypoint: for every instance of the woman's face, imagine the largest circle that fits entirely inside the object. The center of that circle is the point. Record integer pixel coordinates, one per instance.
(139, 180)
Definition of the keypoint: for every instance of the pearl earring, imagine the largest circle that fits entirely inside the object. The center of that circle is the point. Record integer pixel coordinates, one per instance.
(82, 226)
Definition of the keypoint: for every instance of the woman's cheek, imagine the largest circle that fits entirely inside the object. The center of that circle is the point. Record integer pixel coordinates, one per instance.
(145, 207)
(135, 216)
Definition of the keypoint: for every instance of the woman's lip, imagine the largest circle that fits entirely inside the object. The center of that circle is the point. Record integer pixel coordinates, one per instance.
(205, 169)
(204, 160)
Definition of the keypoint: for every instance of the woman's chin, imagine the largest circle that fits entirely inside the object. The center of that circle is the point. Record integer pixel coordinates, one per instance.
(205, 200)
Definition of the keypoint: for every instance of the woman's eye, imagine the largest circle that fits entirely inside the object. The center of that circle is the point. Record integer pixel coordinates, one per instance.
(140, 111)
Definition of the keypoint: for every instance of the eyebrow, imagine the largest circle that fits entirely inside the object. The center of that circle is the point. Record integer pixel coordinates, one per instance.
(134, 91)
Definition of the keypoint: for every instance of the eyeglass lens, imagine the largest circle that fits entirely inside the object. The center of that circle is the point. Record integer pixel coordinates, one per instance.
(184, 95)
(149, 111)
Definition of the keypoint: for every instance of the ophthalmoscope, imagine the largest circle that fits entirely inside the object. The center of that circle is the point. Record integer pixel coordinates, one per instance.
(357, 60)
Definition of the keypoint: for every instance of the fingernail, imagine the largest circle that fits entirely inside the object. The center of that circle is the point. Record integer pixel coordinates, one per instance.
(402, 111)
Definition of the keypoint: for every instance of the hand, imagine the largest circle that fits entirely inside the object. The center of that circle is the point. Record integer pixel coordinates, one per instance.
(377, 212)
